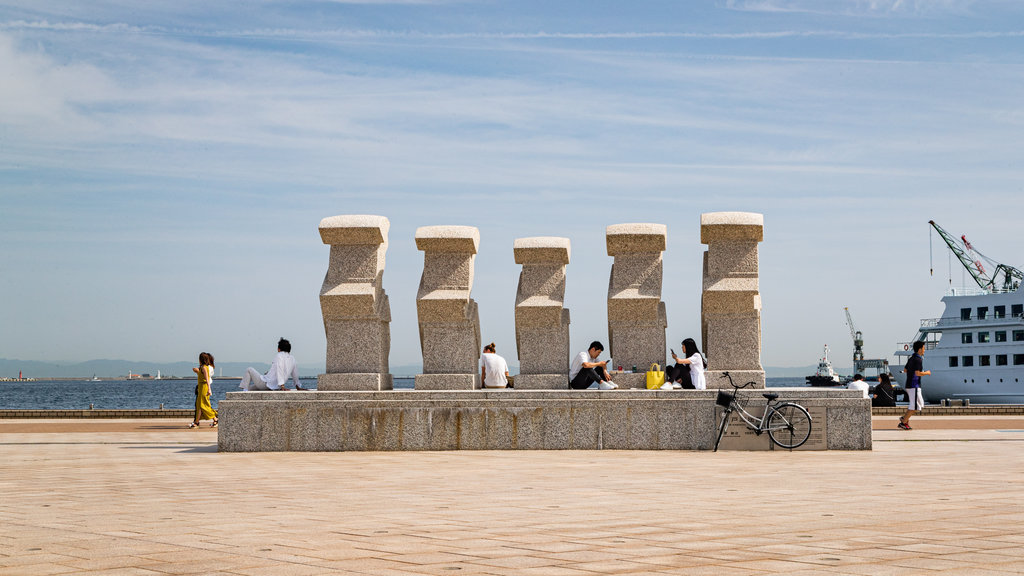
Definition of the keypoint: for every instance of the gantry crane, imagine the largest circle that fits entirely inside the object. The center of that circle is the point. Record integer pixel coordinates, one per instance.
(860, 365)
(1004, 278)
(858, 338)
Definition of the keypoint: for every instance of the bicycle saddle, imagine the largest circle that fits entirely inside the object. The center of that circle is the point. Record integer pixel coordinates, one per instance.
(770, 396)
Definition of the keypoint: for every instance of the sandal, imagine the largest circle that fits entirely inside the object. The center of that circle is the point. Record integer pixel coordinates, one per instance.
(214, 423)
(193, 425)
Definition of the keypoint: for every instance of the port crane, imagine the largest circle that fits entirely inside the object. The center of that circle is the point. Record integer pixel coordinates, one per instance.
(860, 365)
(1004, 278)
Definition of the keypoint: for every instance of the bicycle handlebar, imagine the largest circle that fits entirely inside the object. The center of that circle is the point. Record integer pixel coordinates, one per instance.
(733, 384)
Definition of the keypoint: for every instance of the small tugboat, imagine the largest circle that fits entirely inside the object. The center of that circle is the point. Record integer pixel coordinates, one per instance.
(825, 376)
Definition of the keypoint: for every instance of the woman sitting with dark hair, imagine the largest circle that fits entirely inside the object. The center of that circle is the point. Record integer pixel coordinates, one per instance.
(883, 393)
(689, 370)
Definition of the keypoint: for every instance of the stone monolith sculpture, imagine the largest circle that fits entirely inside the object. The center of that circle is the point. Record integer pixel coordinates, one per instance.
(731, 305)
(448, 318)
(356, 312)
(636, 314)
(542, 324)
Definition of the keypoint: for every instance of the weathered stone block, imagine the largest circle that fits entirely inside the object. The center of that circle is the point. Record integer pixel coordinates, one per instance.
(356, 311)
(447, 381)
(350, 381)
(520, 419)
(731, 303)
(636, 314)
(542, 324)
(448, 318)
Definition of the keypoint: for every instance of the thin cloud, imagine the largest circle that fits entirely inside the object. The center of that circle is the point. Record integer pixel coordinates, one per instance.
(856, 8)
(399, 35)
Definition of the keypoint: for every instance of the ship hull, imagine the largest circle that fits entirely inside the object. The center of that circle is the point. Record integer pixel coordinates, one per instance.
(975, 351)
(822, 381)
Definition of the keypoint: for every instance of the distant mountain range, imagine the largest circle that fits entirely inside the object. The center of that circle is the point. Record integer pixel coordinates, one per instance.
(120, 368)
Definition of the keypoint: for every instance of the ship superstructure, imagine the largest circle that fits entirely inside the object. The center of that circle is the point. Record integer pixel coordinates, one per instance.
(975, 350)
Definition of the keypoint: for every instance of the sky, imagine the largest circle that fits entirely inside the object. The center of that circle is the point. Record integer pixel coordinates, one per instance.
(164, 165)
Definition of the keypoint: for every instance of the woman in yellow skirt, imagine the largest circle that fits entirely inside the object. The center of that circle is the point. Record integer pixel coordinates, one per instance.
(204, 411)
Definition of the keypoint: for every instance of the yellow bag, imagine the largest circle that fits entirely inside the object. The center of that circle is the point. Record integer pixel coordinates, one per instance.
(655, 377)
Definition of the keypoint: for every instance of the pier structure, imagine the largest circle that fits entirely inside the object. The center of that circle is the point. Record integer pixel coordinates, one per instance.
(731, 300)
(542, 323)
(448, 318)
(356, 312)
(636, 314)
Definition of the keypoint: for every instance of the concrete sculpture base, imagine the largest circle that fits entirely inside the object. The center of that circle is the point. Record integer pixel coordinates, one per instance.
(447, 381)
(349, 382)
(541, 382)
(519, 420)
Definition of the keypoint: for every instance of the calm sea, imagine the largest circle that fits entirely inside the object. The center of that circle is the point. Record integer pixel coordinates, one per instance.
(150, 394)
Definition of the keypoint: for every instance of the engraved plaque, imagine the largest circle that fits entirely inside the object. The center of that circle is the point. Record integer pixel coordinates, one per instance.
(740, 437)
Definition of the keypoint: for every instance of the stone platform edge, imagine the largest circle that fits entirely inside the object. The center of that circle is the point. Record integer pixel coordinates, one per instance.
(515, 420)
(13, 414)
(7, 414)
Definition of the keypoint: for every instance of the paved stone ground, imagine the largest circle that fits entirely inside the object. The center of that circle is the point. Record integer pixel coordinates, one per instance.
(150, 497)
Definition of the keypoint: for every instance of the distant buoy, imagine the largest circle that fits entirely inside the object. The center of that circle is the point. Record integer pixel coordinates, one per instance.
(906, 347)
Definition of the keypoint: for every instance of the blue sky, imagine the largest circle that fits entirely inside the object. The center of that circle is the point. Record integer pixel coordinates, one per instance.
(164, 165)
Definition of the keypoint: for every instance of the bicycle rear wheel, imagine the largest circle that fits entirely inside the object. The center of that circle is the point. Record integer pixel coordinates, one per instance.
(789, 425)
(722, 427)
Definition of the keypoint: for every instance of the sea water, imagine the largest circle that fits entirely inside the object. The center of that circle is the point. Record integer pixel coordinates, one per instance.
(151, 394)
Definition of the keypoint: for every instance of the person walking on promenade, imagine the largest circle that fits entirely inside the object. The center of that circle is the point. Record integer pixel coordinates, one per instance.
(282, 368)
(693, 360)
(493, 368)
(914, 369)
(584, 370)
(204, 411)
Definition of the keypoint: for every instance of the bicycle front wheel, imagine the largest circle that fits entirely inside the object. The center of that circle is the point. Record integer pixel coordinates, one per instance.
(789, 425)
(722, 427)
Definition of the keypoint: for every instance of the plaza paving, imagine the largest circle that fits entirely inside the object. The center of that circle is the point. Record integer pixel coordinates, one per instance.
(151, 497)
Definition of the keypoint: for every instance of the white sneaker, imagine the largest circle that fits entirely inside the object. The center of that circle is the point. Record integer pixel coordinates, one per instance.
(666, 386)
(607, 385)
(677, 386)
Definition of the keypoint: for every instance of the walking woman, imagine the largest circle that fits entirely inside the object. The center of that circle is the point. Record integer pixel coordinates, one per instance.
(204, 411)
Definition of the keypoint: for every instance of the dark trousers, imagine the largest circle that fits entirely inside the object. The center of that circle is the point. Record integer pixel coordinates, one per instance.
(584, 379)
(679, 373)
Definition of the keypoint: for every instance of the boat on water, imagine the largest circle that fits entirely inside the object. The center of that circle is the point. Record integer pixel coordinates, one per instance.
(825, 375)
(975, 350)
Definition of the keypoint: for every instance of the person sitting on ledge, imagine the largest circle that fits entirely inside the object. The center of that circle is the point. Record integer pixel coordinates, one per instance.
(883, 394)
(689, 370)
(281, 369)
(493, 368)
(585, 371)
(858, 383)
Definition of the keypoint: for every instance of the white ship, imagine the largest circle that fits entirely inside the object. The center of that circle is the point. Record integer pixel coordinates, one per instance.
(825, 375)
(975, 351)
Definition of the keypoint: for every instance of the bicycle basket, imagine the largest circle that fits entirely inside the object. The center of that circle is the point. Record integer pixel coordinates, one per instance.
(724, 398)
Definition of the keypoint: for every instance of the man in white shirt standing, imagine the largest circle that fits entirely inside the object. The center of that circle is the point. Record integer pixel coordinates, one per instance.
(493, 368)
(281, 369)
(584, 370)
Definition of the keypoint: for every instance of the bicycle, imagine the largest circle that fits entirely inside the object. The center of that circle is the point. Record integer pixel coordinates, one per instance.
(788, 424)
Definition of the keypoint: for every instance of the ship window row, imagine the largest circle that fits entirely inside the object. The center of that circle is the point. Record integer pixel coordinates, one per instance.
(984, 337)
(985, 360)
(1016, 311)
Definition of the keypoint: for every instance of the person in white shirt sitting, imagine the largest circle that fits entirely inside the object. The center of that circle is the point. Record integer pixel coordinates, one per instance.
(282, 368)
(584, 371)
(858, 383)
(689, 370)
(493, 368)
